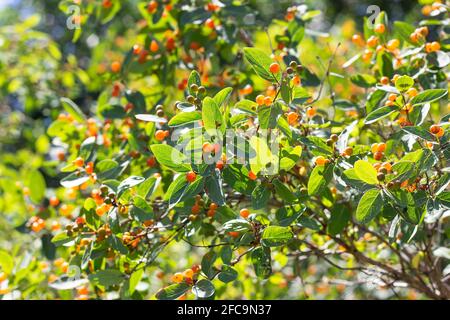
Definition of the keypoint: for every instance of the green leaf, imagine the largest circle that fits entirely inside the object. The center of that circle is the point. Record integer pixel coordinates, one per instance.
(183, 118)
(260, 197)
(227, 274)
(238, 225)
(428, 96)
(73, 109)
(128, 183)
(404, 30)
(369, 206)
(261, 261)
(61, 238)
(274, 236)
(363, 80)
(378, 114)
(170, 157)
(203, 289)
(36, 184)
(194, 78)
(6, 262)
(212, 116)
(419, 132)
(74, 180)
(261, 62)
(384, 62)
(289, 157)
(208, 264)
(403, 83)
(283, 191)
(172, 292)
(106, 278)
(319, 178)
(221, 97)
(366, 172)
(340, 215)
(268, 115)
(134, 280)
(263, 157)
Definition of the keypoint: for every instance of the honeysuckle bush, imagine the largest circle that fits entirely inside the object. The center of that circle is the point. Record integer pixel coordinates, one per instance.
(222, 153)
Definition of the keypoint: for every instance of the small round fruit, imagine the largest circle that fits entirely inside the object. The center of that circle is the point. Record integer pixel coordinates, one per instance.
(191, 176)
(160, 135)
(380, 28)
(378, 155)
(320, 161)
(384, 81)
(244, 213)
(115, 66)
(252, 175)
(274, 67)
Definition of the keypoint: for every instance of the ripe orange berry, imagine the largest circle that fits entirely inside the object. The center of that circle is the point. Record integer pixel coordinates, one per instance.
(358, 40)
(188, 273)
(426, 10)
(107, 4)
(54, 201)
(90, 168)
(207, 147)
(244, 213)
(213, 206)
(78, 162)
(115, 66)
(195, 268)
(220, 164)
(381, 147)
(389, 103)
(435, 46)
(210, 23)
(233, 234)
(434, 129)
(252, 175)
(412, 92)
(292, 118)
(154, 46)
(177, 278)
(348, 151)
(392, 97)
(268, 101)
(274, 67)
(387, 166)
(210, 213)
(3, 276)
(310, 112)
(191, 176)
(380, 28)
(320, 161)
(378, 155)
(393, 44)
(384, 81)
(151, 162)
(195, 209)
(440, 133)
(372, 41)
(152, 6)
(260, 100)
(160, 135)
(296, 80)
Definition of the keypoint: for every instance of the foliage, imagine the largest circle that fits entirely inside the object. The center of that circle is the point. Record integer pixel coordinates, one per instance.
(336, 184)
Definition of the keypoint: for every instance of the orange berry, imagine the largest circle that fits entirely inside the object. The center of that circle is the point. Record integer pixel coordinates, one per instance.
(389, 103)
(207, 147)
(107, 4)
(387, 166)
(154, 46)
(292, 118)
(348, 151)
(90, 168)
(160, 135)
(440, 133)
(377, 166)
(384, 81)
(151, 162)
(392, 97)
(426, 10)
(195, 209)
(372, 41)
(296, 80)
(115, 66)
(274, 67)
(78, 162)
(381, 147)
(244, 213)
(435, 46)
(233, 234)
(210, 23)
(358, 40)
(195, 268)
(380, 28)
(393, 44)
(412, 92)
(310, 112)
(3, 276)
(260, 100)
(320, 161)
(177, 278)
(54, 201)
(252, 175)
(191, 176)
(219, 165)
(423, 31)
(211, 213)
(378, 155)
(152, 6)
(213, 206)
(434, 129)
(268, 101)
(188, 273)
